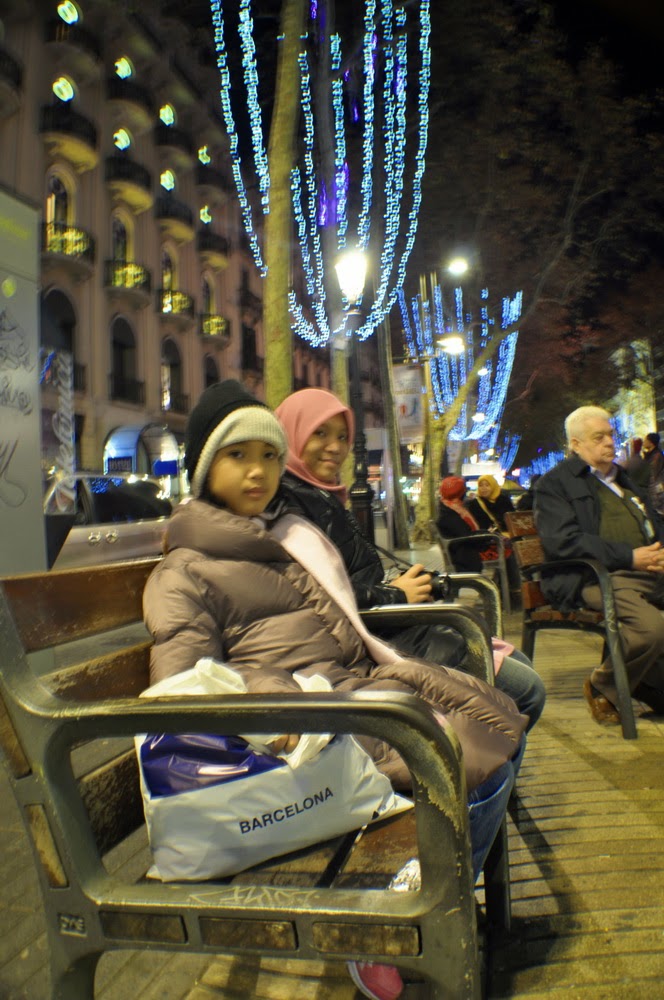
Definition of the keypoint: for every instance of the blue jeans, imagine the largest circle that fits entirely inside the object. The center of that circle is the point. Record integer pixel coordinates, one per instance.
(523, 684)
(486, 808)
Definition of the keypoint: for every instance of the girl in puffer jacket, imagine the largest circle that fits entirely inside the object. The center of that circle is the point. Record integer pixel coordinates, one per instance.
(272, 597)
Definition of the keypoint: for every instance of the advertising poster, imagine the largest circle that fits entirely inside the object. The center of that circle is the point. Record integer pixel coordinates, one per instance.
(23, 546)
(409, 402)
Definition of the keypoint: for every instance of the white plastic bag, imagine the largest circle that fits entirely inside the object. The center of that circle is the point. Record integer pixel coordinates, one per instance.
(326, 787)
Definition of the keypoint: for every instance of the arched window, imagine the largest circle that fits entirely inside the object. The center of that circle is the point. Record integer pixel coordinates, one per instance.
(207, 297)
(171, 378)
(58, 322)
(210, 371)
(120, 249)
(57, 201)
(123, 362)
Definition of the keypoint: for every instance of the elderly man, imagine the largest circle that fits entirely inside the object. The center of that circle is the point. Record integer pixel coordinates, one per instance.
(587, 507)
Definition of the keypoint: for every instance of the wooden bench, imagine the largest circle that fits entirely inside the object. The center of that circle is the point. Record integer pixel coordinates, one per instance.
(539, 615)
(74, 774)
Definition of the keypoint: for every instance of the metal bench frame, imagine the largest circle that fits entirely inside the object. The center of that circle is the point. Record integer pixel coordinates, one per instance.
(431, 933)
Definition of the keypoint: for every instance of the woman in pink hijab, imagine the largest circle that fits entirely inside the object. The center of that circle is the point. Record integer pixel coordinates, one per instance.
(320, 429)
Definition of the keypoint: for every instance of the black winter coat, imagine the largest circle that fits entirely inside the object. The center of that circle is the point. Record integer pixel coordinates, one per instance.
(567, 516)
(437, 643)
(362, 561)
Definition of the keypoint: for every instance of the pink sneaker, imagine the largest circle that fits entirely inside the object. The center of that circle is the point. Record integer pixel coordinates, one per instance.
(380, 982)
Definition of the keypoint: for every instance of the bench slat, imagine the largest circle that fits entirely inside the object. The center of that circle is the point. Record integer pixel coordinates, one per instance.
(58, 607)
(122, 674)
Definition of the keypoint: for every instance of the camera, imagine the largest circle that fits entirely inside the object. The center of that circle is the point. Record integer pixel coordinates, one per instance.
(440, 585)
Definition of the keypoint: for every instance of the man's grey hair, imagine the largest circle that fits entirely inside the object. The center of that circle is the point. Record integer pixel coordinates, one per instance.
(577, 420)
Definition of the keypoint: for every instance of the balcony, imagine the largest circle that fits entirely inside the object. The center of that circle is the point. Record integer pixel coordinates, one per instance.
(212, 185)
(176, 402)
(73, 248)
(128, 281)
(213, 249)
(175, 307)
(216, 329)
(175, 145)
(129, 182)
(130, 390)
(130, 104)
(68, 134)
(11, 81)
(175, 219)
(251, 303)
(78, 47)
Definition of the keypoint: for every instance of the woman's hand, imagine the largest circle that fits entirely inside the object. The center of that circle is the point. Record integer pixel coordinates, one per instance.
(415, 583)
(284, 744)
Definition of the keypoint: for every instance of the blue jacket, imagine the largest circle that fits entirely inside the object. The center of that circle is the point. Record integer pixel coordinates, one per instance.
(567, 516)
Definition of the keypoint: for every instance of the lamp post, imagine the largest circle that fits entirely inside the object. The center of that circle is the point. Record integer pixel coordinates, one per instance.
(351, 271)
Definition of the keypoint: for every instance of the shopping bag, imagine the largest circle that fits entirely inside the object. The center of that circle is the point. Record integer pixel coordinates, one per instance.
(215, 805)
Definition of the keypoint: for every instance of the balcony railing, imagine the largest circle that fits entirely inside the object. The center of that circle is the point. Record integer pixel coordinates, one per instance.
(207, 239)
(128, 389)
(253, 364)
(171, 208)
(63, 118)
(175, 402)
(130, 92)
(128, 275)
(122, 168)
(75, 35)
(209, 177)
(171, 135)
(174, 303)
(80, 377)
(68, 241)
(10, 69)
(215, 327)
(250, 301)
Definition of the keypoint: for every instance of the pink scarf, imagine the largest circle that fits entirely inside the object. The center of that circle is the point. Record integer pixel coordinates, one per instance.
(300, 415)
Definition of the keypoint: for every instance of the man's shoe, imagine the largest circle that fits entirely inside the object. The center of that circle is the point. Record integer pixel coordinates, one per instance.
(380, 982)
(601, 708)
(651, 696)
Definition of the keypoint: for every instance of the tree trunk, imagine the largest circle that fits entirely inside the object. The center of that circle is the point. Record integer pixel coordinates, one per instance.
(281, 157)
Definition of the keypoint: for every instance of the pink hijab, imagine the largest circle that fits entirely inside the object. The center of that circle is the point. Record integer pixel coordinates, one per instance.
(301, 414)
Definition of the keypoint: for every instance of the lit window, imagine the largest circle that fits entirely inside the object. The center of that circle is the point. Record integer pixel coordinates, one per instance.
(167, 180)
(123, 68)
(121, 139)
(203, 155)
(63, 89)
(205, 215)
(69, 12)
(167, 114)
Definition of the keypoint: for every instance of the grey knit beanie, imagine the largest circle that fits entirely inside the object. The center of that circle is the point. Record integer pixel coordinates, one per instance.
(227, 414)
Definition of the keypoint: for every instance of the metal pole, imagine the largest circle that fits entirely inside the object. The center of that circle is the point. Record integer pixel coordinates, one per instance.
(361, 493)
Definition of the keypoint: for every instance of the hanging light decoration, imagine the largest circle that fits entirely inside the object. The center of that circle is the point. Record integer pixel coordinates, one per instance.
(371, 118)
(449, 343)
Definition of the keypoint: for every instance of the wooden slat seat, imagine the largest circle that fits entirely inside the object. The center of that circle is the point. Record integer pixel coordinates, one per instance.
(67, 740)
(539, 615)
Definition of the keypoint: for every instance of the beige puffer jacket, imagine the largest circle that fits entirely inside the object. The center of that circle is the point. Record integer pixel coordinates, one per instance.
(227, 589)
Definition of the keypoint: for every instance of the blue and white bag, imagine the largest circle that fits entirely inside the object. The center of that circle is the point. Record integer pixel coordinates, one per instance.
(215, 805)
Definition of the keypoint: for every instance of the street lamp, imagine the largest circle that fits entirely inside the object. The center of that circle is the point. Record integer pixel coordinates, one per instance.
(351, 269)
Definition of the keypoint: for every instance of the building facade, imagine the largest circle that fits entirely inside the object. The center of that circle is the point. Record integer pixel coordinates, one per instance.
(109, 123)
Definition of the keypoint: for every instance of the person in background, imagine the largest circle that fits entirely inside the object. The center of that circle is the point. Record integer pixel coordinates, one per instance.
(587, 508)
(636, 467)
(490, 505)
(525, 501)
(654, 460)
(454, 520)
(489, 508)
(269, 596)
(319, 428)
